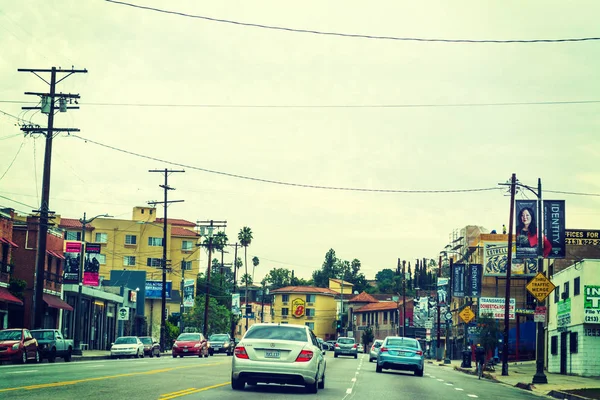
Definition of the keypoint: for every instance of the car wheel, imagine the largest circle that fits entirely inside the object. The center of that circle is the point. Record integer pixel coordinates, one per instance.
(181, 356)
(335, 355)
(378, 368)
(52, 356)
(312, 387)
(355, 356)
(143, 354)
(157, 352)
(418, 372)
(370, 360)
(174, 356)
(151, 353)
(237, 384)
(322, 383)
(211, 353)
(24, 357)
(67, 357)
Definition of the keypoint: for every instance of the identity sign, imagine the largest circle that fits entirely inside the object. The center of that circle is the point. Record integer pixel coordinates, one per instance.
(554, 227)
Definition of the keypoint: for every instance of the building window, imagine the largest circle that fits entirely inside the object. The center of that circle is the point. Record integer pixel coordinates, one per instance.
(285, 298)
(129, 261)
(554, 345)
(310, 312)
(186, 265)
(71, 235)
(556, 295)
(311, 298)
(101, 258)
(154, 241)
(101, 237)
(285, 311)
(311, 325)
(566, 296)
(187, 245)
(130, 239)
(154, 262)
(385, 317)
(573, 342)
(577, 286)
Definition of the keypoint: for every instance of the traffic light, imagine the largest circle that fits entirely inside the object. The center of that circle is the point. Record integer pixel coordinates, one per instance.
(338, 325)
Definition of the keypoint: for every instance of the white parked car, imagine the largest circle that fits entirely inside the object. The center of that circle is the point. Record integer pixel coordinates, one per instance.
(127, 346)
(282, 354)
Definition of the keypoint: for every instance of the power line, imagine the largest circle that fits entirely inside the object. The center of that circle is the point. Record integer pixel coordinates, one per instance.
(352, 35)
(13, 160)
(282, 182)
(18, 202)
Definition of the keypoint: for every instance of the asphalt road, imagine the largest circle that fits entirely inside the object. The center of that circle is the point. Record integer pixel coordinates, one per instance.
(209, 379)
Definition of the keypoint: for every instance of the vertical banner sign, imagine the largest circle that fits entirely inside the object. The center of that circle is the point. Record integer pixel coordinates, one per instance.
(442, 291)
(474, 274)
(188, 293)
(72, 261)
(458, 280)
(591, 304)
(235, 304)
(526, 232)
(91, 265)
(554, 227)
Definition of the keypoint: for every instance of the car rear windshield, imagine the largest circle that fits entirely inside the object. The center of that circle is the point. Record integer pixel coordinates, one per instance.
(219, 338)
(43, 335)
(10, 335)
(346, 340)
(146, 340)
(402, 342)
(277, 332)
(189, 336)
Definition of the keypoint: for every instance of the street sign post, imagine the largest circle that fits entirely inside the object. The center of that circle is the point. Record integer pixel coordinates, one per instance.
(467, 314)
(540, 287)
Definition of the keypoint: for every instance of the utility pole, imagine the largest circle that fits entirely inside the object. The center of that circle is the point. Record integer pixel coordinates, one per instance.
(449, 303)
(165, 203)
(439, 334)
(48, 107)
(234, 288)
(513, 184)
(404, 298)
(211, 225)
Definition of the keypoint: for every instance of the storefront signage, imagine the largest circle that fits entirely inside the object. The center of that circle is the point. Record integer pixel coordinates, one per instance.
(154, 289)
(298, 308)
(582, 237)
(591, 304)
(496, 307)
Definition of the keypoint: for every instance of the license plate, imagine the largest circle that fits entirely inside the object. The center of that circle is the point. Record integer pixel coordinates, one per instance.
(185, 350)
(272, 354)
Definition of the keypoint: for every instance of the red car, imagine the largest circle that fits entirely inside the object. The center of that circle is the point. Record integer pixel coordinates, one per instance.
(190, 344)
(18, 346)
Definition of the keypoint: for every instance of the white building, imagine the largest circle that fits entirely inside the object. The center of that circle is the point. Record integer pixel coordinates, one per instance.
(574, 320)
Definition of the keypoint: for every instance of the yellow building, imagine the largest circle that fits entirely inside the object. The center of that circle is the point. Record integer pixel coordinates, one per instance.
(136, 244)
(312, 306)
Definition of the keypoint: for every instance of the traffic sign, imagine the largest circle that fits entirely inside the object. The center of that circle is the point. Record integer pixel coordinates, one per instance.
(540, 287)
(467, 314)
(448, 316)
(123, 314)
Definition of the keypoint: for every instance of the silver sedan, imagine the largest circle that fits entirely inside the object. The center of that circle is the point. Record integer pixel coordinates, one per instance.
(127, 346)
(375, 350)
(281, 354)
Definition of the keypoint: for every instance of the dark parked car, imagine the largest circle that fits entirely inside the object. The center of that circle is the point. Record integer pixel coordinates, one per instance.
(18, 346)
(52, 344)
(190, 344)
(151, 346)
(221, 343)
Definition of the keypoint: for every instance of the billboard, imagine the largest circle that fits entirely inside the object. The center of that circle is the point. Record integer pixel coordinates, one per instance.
(91, 265)
(154, 289)
(458, 280)
(591, 304)
(72, 261)
(554, 227)
(235, 304)
(526, 232)
(495, 259)
(496, 307)
(582, 237)
(188, 292)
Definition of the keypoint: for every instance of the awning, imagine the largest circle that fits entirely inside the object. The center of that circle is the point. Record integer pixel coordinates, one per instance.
(55, 254)
(7, 297)
(8, 242)
(55, 302)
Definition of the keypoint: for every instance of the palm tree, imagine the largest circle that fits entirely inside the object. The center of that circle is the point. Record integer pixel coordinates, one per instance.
(255, 262)
(245, 238)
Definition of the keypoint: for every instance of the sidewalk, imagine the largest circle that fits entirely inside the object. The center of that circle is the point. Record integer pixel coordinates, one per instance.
(521, 374)
(101, 355)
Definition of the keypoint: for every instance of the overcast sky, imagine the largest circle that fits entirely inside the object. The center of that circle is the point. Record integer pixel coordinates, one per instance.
(290, 107)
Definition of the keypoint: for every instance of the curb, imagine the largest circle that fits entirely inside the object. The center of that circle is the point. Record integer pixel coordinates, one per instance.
(557, 394)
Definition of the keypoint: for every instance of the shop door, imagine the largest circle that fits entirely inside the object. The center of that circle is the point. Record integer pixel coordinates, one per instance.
(564, 336)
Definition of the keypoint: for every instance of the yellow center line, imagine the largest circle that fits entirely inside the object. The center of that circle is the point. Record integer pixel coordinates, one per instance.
(100, 378)
(168, 396)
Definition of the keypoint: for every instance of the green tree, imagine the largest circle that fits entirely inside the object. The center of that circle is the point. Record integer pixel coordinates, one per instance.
(246, 280)
(385, 280)
(255, 262)
(328, 270)
(279, 277)
(489, 331)
(245, 238)
(220, 316)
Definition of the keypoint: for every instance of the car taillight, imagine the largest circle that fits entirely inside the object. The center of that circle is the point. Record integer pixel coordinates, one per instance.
(419, 352)
(305, 355)
(354, 346)
(337, 345)
(240, 352)
(383, 349)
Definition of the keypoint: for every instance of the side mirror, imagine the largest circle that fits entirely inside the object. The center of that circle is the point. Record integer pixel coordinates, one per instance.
(112, 344)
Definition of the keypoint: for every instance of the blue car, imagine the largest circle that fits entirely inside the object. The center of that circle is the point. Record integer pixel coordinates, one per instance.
(401, 353)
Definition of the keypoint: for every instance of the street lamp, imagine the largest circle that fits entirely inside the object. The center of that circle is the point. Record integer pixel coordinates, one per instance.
(77, 316)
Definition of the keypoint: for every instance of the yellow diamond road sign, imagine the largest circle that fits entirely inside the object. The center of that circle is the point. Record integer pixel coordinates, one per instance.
(467, 314)
(540, 287)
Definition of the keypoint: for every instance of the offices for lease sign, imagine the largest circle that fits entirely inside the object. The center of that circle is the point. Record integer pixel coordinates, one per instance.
(496, 307)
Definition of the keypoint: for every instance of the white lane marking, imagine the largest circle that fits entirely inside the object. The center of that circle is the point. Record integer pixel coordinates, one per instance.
(459, 389)
(472, 395)
(440, 380)
(432, 376)
(94, 366)
(353, 379)
(449, 384)
(349, 390)
(23, 372)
